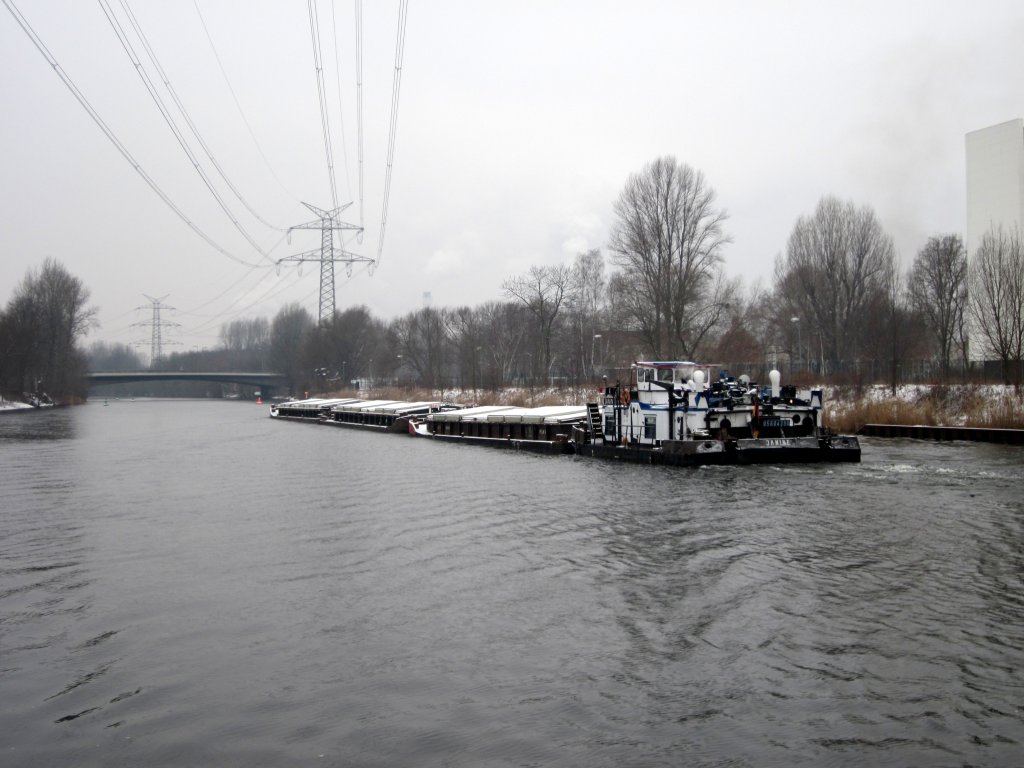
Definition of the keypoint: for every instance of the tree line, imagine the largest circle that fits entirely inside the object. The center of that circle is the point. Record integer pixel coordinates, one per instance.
(839, 307)
(47, 315)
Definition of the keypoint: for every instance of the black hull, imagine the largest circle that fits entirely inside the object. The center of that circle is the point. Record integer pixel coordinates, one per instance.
(529, 446)
(696, 453)
(679, 453)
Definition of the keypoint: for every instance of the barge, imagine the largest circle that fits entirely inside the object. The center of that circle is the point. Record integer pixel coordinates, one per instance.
(380, 415)
(667, 413)
(546, 429)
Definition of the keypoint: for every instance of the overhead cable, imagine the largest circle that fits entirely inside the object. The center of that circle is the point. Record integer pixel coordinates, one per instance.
(188, 118)
(341, 111)
(169, 119)
(359, 107)
(111, 136)
(314, 30)
(403, 8)
(238, 105)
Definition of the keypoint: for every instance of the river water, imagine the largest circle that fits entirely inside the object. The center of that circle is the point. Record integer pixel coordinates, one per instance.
(193, 583)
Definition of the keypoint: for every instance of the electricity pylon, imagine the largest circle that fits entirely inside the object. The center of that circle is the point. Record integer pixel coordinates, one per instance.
(328, 222)
(156, 325)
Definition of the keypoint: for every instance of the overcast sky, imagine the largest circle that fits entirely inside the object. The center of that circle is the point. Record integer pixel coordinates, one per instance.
(518, 125)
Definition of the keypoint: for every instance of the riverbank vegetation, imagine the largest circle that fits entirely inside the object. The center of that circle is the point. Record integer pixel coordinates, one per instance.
(40, 330)
(958, 405)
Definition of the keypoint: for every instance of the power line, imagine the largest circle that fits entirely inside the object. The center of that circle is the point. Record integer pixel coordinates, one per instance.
(188, 118)
(341, 111)
(359, 105)
(169, 120)
(238, 105)
(272, 291)
(314, 31)
(208, 302)
(396, 88)
(111, 136)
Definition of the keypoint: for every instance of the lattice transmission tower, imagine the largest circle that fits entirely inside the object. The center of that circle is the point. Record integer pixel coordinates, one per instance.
(156, 326)
(328, 222)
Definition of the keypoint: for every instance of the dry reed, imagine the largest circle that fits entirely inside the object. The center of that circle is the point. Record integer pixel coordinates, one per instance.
(848, 409)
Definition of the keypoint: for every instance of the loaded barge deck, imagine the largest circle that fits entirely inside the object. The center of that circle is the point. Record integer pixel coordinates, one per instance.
(379, 415)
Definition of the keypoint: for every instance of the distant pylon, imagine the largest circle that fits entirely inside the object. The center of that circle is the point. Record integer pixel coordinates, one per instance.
(328, 222)
(156, 325)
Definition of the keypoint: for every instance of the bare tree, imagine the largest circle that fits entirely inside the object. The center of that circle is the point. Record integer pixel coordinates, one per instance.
(288, 331)
(44, 319)
(667, 239)
(245, 335)
(465, 327)
(421, 338)
(247, 342)
(746, 331)
(542, 291)
(505, 334)
(996, 279)
(586, 308)
(892, 329)
(113, 357)
(352, 344)
(836, 261)
(938, 290)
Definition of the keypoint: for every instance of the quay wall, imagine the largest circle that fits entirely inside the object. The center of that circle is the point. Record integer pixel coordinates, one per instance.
(976, 434)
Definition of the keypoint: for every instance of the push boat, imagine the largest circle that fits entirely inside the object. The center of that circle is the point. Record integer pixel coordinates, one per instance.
(672, 412)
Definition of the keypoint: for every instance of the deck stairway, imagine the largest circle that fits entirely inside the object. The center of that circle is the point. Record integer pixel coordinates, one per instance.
(594, 422)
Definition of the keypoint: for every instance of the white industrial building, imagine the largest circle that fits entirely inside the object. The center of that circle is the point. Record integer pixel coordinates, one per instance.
(995, 180)
(995, 189)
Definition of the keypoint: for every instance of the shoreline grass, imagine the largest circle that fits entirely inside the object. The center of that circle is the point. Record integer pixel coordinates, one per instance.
(985, 406)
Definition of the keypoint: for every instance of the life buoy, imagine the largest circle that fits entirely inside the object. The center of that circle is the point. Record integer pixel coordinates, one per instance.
(624, 396)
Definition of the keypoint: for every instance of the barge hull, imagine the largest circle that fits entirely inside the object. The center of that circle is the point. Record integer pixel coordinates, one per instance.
(559, 446)
(695, 453)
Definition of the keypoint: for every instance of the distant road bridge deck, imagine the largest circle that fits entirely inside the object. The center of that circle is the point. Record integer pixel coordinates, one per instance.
(267, 382)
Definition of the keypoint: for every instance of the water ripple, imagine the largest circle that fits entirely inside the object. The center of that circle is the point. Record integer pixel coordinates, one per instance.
(194, 583)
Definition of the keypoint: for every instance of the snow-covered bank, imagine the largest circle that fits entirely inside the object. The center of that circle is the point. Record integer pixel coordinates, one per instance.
(27, 402)
(11, 405)
(949, 405)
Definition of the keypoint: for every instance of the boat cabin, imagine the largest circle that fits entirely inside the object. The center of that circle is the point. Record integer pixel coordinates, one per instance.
(682, 400)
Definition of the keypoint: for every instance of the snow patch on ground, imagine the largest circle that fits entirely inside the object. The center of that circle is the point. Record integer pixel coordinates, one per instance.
(930, 404)
(11, 405)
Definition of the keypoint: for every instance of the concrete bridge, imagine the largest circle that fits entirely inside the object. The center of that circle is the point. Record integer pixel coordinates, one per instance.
(267, 383)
